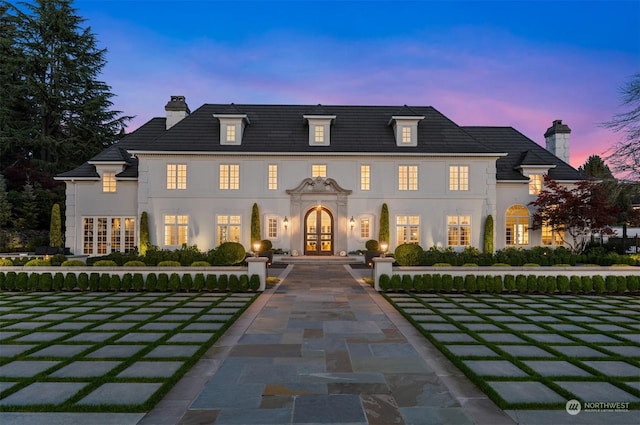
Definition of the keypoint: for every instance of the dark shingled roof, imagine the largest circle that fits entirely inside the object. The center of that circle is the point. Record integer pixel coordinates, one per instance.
(521, 151)
(118, 152)
(356, 129)
(282, 128)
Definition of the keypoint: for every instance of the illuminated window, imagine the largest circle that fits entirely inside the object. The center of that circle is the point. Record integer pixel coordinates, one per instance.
(517, 225)
(87, 235)
(231, 133)
(365, 177)
(103, 235)
(551, 237)
(458, 177)
(229, 177)
(272, 227)
(459, 230)
(108, 181)
(318, 170)
(365, 228)
(319, 133)
(408, 229)
(406, 135)
(407, 177)
(228, 228)
(176, 229)
(273, 177)
(129, 234)
(176, 176)
(535, 184)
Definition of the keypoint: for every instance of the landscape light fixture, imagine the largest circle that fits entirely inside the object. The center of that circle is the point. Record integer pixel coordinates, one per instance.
(256, 248)
(383, 247)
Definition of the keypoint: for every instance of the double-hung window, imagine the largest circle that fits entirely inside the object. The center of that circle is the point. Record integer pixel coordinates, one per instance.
(535, 184)
(108, 181)
(458, 177)
(272, 177)
(407, 177)
(229, 177)
(365, 177)
(176, 176)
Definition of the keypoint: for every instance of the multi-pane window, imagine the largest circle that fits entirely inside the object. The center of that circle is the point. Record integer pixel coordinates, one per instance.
(272, 227)
(459, 230)
(272, 177)
(408, 229)
(365, 228)
(87, 235)
(228, 228)
(102, 235)
(176, 229)
(129, 234)
(365, 177)
(406, 134)
(535, 184)
(176, 176)
(108, 181)
(407, 177)
(458, 177)
(551, 237)
(318, 170)
(319, 134)
(229, 177)
(231, 133)
(517, 225)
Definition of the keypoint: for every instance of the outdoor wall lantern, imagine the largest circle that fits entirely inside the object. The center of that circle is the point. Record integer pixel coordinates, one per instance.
(383, 247)
(285, 222)
(352, 222)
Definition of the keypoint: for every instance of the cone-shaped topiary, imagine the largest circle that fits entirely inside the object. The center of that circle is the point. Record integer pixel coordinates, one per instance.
(144, 233)
(383, 233)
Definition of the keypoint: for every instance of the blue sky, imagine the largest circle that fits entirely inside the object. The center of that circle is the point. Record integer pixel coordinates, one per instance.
(503, 63)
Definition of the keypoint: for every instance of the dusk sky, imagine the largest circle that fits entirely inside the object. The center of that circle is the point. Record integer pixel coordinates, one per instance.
(494, 63)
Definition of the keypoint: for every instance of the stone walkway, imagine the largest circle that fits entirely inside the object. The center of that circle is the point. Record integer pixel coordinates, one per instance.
(323, 349)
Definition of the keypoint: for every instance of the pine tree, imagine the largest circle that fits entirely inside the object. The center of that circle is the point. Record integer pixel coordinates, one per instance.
(5, 205)
(27, 211)
(54, 112)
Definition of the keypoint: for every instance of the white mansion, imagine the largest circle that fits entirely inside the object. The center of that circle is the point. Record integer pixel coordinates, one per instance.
(319, 175)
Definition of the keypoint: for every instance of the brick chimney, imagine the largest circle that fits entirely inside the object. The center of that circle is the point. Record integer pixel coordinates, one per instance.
(177, 109)
(557, 140)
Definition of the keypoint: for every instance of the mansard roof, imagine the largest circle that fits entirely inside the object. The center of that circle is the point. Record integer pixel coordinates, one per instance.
(521, 152)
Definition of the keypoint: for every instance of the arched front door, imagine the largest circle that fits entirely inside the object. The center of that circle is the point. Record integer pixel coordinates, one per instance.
(318, 232)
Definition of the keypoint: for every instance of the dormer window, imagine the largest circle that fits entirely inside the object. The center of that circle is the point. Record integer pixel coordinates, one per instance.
(319, 129)
(406, 129)
(231, 127)
(231, 133)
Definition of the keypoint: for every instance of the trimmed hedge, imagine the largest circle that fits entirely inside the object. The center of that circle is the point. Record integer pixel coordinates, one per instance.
(524, 284)
(105, 282)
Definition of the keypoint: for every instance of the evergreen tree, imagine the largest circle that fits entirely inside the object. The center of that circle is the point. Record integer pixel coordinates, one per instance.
(383, 234)
(5, 205)
(55, 229)
(54, 112)
(27, 211)
(255, 225)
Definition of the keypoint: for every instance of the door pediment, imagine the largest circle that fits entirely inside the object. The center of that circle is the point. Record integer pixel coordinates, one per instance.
(318, 185)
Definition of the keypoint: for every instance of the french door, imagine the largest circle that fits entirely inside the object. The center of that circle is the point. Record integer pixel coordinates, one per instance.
(318, 232)
(103, 235)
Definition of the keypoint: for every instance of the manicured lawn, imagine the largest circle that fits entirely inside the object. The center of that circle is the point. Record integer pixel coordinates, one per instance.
(535, 351)
(104, 352)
